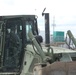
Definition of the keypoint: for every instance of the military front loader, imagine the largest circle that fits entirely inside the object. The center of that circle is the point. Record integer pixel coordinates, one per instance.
(21, 52)
(14, 40)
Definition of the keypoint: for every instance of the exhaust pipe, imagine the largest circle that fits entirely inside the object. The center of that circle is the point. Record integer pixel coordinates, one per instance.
(47, 30)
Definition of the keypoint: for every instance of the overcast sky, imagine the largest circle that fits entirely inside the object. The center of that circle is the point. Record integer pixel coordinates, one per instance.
(63, 10)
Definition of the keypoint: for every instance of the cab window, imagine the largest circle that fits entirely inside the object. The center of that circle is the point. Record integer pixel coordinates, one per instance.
(28, 26)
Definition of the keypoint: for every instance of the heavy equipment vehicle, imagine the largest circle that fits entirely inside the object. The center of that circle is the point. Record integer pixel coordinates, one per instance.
(14, 40)
(21, 52)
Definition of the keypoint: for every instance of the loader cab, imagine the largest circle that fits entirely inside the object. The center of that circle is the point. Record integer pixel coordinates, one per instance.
(14, 38)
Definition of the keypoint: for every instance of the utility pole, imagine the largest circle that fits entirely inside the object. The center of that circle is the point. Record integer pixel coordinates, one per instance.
(53, 24)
